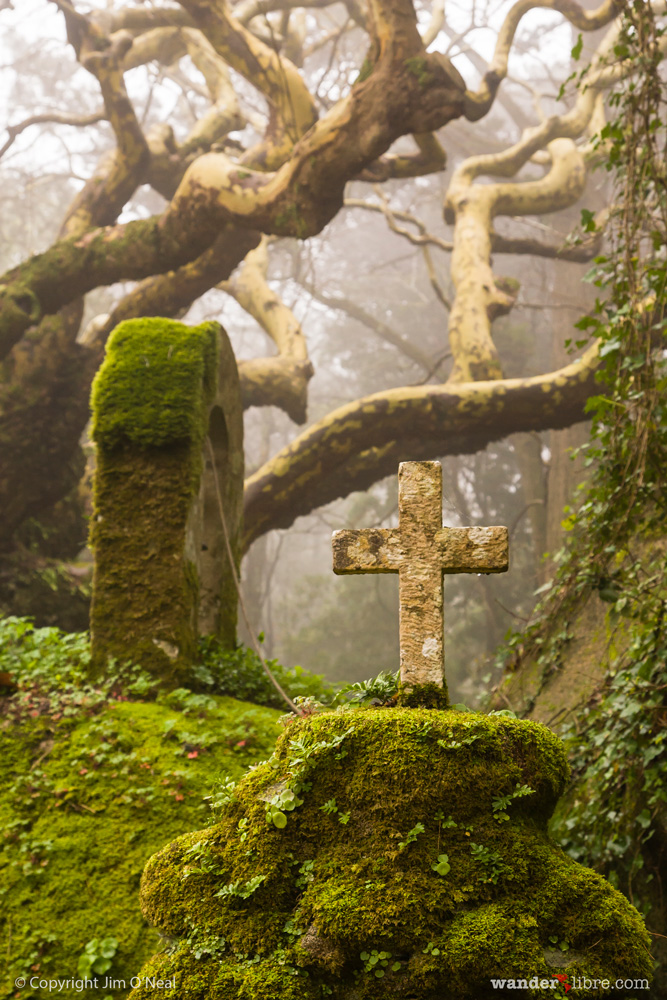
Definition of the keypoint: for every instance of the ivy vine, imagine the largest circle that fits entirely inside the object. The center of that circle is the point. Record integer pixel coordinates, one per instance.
(616, 543)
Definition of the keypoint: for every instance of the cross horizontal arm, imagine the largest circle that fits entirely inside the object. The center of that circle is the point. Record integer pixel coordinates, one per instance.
(366, 550)
(473, 550)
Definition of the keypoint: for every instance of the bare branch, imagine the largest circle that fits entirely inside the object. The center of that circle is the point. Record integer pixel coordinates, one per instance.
(246, 10)
(377, 326)
(50, 118)
(292, 106)
(480, 296)
(105, 194)
(296, 200)
(171, 294)
(421, 238)
(479, 102)
(420, 241)
(250, 288)
(138, 20)
(280, 382)
(430, 159)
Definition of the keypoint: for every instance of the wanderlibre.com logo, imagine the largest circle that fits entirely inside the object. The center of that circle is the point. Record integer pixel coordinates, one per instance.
(562, 983)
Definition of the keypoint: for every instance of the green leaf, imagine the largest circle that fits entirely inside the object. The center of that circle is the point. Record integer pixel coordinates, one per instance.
(586, 322)
(84, 966)
(588, 217)
(609, 347)
(108, 947)
(101, 965)
(576, 50)
(441, 866)
(279, 819)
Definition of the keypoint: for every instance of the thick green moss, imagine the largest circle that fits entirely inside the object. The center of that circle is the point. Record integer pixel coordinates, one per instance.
(412, 837)
(156, 383)
(423, 696)
(84, 801)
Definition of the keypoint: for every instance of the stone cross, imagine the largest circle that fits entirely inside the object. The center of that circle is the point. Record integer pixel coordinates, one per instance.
(421, 550)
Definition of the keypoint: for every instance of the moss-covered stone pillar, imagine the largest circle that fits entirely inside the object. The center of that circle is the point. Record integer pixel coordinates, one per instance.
(162, 574)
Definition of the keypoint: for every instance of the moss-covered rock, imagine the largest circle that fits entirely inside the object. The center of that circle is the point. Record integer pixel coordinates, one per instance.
(401, 845)
(90, 788)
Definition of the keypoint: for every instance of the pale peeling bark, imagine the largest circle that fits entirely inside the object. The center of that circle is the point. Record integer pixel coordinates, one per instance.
(168, 45)
(291, 105)
(296, 200)
(359, 443)
(250, 288)
(430, 159)
(480, 297)
(103, 197)
(281, 382)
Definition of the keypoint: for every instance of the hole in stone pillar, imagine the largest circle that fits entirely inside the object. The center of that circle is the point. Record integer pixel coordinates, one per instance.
(217, 432)
(212, 551)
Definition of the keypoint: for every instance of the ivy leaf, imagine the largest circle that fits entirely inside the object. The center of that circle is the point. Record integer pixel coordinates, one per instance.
(588, 217)
(610, 347)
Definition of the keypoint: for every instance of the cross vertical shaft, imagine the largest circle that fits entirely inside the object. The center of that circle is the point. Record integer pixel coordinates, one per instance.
(420, 585)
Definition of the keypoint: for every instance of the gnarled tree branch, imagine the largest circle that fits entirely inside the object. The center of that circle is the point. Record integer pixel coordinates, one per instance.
(359, 443)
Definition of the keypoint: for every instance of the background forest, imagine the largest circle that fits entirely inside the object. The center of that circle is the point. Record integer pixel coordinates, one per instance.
(360, 303)
(430, 232)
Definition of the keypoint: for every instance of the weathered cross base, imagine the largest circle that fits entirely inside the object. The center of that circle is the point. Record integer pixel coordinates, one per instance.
(421, 550)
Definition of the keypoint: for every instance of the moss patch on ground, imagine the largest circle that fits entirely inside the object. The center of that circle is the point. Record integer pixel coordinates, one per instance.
(92, 783)
(401, 845)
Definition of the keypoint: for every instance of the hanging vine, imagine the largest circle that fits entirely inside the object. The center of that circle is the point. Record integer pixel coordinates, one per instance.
(617, 534)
